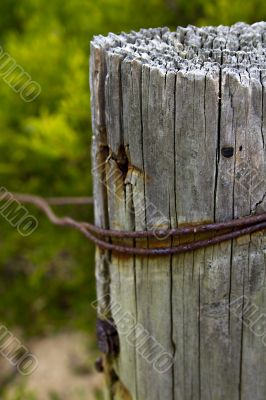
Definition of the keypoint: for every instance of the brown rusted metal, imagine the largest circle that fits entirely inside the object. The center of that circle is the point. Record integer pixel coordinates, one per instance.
(107, 337)
(101, 237)
(182, 248)
(186, 230)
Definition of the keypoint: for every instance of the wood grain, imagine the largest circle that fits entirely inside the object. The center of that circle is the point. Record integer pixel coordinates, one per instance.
(179, 123)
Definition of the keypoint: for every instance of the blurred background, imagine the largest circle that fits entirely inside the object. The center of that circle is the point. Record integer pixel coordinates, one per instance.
(47, 279)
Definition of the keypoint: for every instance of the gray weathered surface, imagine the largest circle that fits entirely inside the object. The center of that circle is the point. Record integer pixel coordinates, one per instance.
(165, 105)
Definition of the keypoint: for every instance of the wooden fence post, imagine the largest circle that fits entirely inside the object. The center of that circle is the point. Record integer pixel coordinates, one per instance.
(179, 122)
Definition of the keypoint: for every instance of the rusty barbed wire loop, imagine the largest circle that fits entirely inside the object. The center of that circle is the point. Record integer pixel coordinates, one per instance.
(101, 237)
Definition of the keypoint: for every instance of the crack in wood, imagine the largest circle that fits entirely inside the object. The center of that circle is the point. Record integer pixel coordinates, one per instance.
(183, 114)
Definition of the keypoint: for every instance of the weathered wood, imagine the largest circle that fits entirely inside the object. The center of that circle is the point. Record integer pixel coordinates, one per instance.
(179, 122)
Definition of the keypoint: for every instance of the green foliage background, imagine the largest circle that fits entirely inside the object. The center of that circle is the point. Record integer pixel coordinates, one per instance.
(47, 279)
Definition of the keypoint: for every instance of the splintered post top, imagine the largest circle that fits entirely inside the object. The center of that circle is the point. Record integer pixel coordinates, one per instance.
(240, 45)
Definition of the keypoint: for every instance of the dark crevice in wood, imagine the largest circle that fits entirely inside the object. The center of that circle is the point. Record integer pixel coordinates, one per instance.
(262, 110)
(242, 326)
(233, 210)
(171, 260)
(135, 243)
(121, 159)
(218, 143)
(199, 333)
(254, 210)
(142, 144)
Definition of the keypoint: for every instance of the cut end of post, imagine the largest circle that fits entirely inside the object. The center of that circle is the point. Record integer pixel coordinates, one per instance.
(239, 45)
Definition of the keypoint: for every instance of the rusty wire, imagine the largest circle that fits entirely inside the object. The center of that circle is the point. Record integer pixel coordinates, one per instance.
(62, 201)
(101, 237)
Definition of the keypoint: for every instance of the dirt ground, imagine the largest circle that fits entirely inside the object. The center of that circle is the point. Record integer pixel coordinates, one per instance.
(65, 370)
